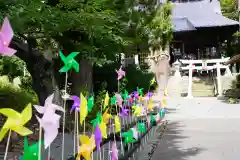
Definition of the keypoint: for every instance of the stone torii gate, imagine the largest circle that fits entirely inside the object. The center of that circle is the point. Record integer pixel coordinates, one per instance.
(204, 66)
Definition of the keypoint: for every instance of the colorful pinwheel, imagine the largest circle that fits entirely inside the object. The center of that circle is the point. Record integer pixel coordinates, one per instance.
(117, 124)
(114, 151)
(103, 128)
(120, 73)
(76, 103)
(98, 137)
(50, 120)
(119, 99)
(140, 91)
(31, 152)
(124, 112)
(106, 116)
(90, 103)
(141, 127)
(83, 108)
(106, 100)
(128, 137)
(16, 121)
(113, 100)
(69, 62)
(6, 35)
(97, 120)
(87, 147)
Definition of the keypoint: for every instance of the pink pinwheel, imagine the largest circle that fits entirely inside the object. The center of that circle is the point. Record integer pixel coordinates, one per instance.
(130, 101)
(120, 73)
(76, 103)
(119, 99)
(50, 120)
(6, 35)
(98, 137)
(124, 112)
(114, 151)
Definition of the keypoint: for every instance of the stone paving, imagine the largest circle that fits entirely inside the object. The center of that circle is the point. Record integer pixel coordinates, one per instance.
(200, 128)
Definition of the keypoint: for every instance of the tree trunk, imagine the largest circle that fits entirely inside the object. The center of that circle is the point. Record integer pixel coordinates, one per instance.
(82, 81)
(42, 70)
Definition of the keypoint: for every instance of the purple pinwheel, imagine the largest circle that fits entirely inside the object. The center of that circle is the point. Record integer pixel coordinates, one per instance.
(149, 95)
(124, 112)
(98, 137)
(76, 103)
(135, 94)
(144, 110)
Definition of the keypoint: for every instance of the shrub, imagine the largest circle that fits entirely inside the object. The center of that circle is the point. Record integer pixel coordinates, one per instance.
(13, 97)
(134, 78)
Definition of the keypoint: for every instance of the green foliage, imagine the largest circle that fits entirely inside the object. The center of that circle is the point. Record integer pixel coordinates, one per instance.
(12, 97)
(134, 77)
(138, 78)
(161, 27)
(230, 9)
(11, 66)
(98, 29)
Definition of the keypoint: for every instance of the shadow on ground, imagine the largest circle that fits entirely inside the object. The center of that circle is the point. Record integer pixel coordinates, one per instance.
(170, 148)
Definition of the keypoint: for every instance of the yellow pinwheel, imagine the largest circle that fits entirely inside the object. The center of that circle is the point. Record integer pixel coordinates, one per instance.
(117, 124)
(16, 121)
(152, 81)
(137, 110)
(163, 103)
(83, 108)
(150, 105)
(106, 100)
(103, 128)
(87, 147)
(106, 117)
(166, 92)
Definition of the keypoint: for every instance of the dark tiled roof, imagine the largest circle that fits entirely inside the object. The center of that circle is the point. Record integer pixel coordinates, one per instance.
(200, 14)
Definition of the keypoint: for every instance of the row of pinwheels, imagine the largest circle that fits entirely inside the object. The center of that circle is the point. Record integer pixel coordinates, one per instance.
(130, 104)
(135, 104)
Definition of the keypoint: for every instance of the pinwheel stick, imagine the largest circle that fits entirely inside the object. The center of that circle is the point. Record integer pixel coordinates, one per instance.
(39, 143)
(64, 116)
(118, 111)
(77, 133)
(74, 133)
(7, 146)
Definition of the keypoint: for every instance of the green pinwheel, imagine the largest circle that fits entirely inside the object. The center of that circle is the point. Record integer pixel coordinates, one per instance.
(30, 152)
(128, 137)
(141, 127)
(113, 100)
(90, 103)
(69, 62)
(153, 120)
(125, 96)
(140, 91)
(162, 113)
(97, 120)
